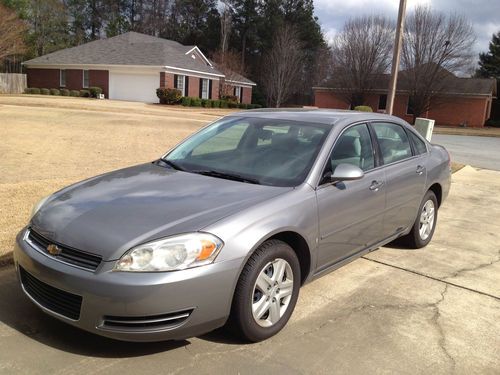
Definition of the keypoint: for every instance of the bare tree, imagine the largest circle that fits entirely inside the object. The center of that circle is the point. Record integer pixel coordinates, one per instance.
(282, 66)
(12, 30)
(229, 63)
(361, 51)
(226, 17)
(434, 47)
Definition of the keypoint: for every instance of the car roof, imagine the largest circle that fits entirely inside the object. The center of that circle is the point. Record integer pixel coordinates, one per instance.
(322, 116)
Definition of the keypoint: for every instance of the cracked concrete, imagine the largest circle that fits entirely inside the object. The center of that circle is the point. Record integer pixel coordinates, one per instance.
(465, 249)
(395, 311)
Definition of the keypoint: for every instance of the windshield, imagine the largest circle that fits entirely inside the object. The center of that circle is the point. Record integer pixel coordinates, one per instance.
(257, 150)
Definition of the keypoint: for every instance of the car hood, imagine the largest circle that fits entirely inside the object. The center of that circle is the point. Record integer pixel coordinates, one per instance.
(109, 214)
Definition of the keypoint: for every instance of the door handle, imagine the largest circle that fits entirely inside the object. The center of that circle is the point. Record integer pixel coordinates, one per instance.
(376, 185)
(420, 169)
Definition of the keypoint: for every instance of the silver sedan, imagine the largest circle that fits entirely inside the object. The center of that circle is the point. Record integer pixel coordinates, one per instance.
(227, 226)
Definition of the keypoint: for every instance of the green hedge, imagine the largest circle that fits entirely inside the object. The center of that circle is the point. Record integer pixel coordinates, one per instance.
(168, 95)
(85, 93)
(55, 92)
(64, 92)
(95, 91)
(188, 101)
(44, 91)
(363, 108)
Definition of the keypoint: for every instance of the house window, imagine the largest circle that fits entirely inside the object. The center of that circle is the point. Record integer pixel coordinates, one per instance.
(237, 93)
(204, 88)
(62, 78)
(180, 84)
(382, 102)
(85, 78)
(410, 106)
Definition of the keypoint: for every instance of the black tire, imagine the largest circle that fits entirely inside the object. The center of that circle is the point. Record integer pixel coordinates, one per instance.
(413, 239)
(242, 320)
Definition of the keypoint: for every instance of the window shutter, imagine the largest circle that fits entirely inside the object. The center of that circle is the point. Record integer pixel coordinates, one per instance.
(186, 86)
(210, 89)
(175, 81)
(201, 87)
(234, 91)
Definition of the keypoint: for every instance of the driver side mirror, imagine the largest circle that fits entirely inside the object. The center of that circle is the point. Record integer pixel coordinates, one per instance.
(344, 172)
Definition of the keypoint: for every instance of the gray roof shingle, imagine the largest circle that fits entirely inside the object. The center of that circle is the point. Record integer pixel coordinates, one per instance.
(127, 49)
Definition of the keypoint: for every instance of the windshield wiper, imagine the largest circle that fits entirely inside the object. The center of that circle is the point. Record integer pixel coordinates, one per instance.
(172, 164)
(228, 176)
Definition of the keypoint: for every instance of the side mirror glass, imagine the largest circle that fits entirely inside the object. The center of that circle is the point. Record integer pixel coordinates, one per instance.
(346, 172)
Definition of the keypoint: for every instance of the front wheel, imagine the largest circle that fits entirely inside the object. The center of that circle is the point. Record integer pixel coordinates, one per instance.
(267, 291)
(425, 224)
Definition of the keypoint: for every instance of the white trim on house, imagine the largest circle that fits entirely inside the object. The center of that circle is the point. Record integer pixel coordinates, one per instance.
(192, 75)
(193, 71)
(244, 84)
(195, 48)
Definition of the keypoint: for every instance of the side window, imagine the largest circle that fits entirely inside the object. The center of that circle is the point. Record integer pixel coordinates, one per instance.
(420, 147)
(393, 142)
(354, 146)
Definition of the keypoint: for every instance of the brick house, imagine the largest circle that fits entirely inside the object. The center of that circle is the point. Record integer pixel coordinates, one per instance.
(131, 67)
(464, 101)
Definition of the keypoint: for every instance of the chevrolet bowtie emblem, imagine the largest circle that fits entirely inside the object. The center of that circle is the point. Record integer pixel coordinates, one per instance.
(53, 249)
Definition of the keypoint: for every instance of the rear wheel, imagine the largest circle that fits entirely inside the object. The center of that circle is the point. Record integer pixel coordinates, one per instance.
(267, 291)
(423, 228)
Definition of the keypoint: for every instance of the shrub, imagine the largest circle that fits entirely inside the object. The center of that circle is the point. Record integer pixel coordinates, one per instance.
(55, 92)
(215, 103)
(85, 93)
(363, 108)
(230, 98)
(207, 103)
(256, 106)
(168, 95)
(64, 92)
(45, 91)
(243, 106)
(196, 102)
(27, 90)
(223, 104)
(75, 93)
(186, 101)
(232, 104)
(35, 91)
(95, 91)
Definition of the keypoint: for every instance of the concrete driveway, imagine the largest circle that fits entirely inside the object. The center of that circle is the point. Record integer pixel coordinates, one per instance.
(435, 310)
(483, 152)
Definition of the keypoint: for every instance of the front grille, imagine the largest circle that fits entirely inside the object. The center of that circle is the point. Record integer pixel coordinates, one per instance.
(144, 323)
(68, 255)
(53, 299)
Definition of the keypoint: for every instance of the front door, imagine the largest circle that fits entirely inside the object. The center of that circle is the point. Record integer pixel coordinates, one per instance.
(350, 212)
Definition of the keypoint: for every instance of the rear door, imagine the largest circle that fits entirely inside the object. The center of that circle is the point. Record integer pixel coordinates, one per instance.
(405, 176)
(350, 212)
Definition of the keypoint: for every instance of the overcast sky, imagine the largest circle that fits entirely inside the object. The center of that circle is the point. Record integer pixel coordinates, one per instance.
(484, 14)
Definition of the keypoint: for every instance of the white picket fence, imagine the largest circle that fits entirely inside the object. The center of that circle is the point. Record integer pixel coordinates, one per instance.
(12, 83)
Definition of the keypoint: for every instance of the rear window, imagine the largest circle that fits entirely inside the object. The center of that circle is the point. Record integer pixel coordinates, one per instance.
(418, 144)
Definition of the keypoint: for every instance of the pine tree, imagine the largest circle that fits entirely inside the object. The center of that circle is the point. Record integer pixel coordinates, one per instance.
(489, 62)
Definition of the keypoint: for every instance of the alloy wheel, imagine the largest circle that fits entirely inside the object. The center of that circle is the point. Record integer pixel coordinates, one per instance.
(427, 219)
(272, 292)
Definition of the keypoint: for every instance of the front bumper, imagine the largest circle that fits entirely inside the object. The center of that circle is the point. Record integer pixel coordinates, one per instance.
(204, 292)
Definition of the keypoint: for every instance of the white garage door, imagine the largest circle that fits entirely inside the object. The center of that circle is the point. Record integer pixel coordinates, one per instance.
(134, 87)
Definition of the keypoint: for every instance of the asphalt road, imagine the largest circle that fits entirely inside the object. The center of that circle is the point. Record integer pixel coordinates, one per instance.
(482, 152)
(395, 311)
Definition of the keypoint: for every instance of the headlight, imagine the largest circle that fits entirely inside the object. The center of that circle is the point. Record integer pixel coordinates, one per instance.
(38, 205)
(171, 254)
